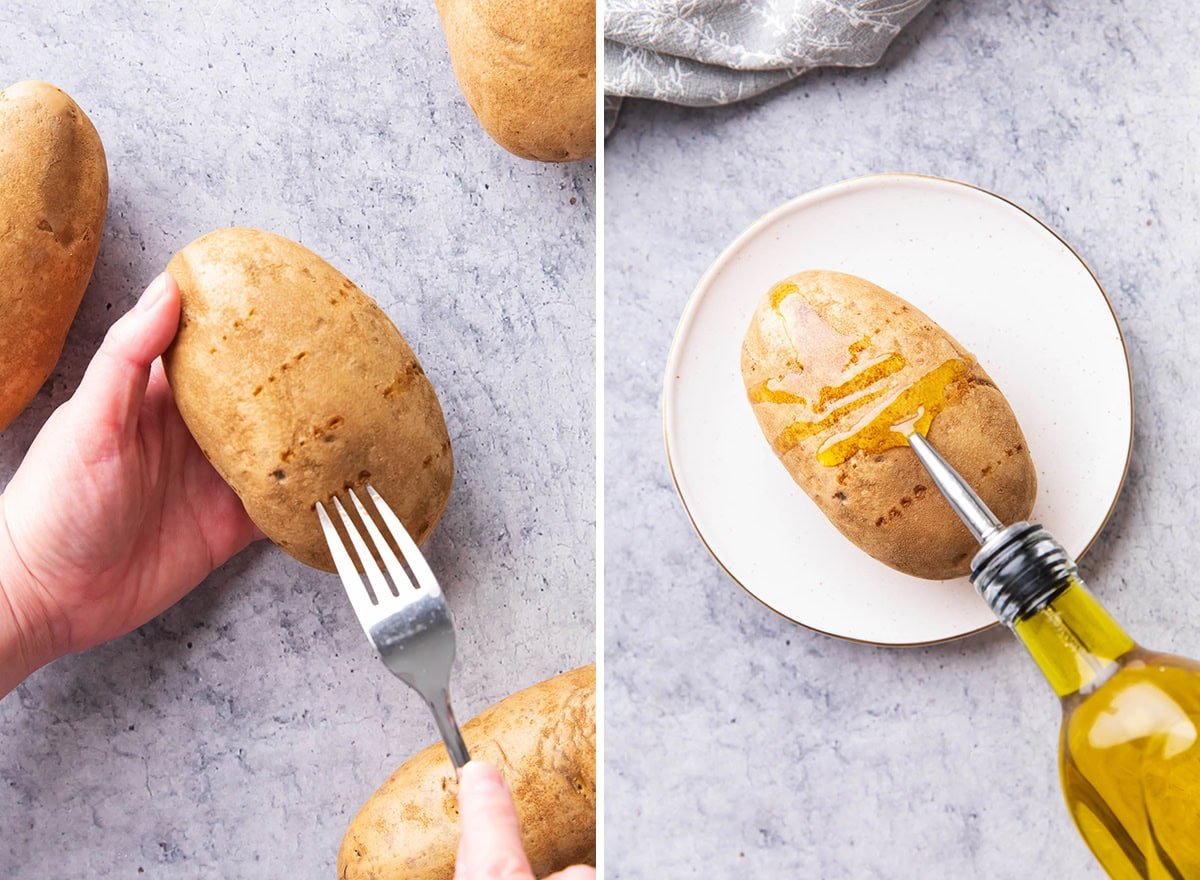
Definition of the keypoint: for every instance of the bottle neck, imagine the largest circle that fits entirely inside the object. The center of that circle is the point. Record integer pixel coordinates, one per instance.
(1073, 639)
(1030, 581)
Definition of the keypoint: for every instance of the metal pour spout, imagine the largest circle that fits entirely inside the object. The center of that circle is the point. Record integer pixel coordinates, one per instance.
(1020, 567)
(962, 498)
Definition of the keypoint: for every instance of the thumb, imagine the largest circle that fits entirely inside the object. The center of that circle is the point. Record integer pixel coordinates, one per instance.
(490, 847)
(111, 393)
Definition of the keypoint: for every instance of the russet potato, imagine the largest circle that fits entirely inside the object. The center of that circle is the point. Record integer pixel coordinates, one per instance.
(53, 197)
(528, 70)
(298, 387)
(543, 740)
(836, 370)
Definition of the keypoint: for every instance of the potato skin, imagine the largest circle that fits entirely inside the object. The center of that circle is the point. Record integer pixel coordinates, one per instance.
(885, 502)
(54, 181)
(296, 386)
(528, 70)
(543, 739)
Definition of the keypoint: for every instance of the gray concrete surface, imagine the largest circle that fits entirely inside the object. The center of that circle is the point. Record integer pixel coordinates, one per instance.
(741, 745)
(238, 734)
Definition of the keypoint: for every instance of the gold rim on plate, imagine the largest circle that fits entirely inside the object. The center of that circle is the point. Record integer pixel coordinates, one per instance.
(770, 217)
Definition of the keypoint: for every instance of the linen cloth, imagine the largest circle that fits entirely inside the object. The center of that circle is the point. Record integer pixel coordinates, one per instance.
(709, 52)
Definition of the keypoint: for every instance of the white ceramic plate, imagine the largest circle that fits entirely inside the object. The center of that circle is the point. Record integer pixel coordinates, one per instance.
(1000, 282)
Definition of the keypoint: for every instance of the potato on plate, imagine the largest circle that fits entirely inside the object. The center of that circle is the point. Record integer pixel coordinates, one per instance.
(837, 369)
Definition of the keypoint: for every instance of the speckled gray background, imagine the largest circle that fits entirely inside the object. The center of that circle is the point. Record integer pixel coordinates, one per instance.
(237, 735)
(741, 745)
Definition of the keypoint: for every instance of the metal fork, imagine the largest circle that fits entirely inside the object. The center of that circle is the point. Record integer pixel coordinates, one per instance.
(410, 624)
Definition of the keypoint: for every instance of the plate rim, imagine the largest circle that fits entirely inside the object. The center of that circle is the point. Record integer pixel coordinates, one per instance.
(692, 306)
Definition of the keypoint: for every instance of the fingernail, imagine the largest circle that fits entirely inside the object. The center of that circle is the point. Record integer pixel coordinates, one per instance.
(153, 293)
(481, 777)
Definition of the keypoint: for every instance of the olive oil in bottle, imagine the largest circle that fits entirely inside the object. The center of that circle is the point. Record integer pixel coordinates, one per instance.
(1129, 749)
(1129, 752)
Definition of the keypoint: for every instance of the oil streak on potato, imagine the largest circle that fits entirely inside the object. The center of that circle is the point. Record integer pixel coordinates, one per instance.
(297, 386)
(543, 739)
(528, 70)
(53, 197)
(836, 369)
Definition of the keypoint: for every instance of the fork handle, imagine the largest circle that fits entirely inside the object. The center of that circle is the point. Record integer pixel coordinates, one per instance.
(443, 715)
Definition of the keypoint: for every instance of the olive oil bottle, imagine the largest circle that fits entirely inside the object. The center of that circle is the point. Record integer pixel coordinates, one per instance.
(1129, 750)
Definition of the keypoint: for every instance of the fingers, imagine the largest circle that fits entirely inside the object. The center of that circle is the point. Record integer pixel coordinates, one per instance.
(490, 847)
(111, 393)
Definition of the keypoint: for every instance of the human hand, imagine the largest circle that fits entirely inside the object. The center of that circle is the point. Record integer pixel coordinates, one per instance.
(115, 513)
(490, 847)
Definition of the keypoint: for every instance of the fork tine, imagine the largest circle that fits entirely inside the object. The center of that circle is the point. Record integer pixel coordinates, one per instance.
(390, 562)
(356, 590)
(378, 584)
(412, 554)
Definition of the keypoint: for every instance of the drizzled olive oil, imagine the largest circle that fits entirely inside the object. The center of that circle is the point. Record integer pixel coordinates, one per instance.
(1129, 751)
(915, 405)
(854, 409)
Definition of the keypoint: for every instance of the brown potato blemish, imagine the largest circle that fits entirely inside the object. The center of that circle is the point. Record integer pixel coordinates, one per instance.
(404, 380)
